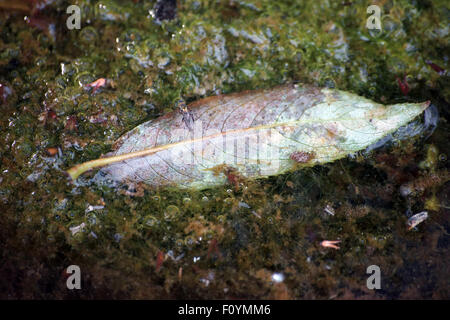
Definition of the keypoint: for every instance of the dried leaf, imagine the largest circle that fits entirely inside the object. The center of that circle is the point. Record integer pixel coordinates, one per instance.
(254, 133)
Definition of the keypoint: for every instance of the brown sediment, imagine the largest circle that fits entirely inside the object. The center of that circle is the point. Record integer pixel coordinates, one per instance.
(421, 184)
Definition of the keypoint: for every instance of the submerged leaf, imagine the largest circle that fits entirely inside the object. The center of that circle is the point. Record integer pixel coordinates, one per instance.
(253, 134)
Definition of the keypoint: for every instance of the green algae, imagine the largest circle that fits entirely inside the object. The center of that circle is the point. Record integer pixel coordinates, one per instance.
(233, 237)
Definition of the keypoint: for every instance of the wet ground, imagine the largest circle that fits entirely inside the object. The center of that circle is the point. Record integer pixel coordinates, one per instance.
(261, 240)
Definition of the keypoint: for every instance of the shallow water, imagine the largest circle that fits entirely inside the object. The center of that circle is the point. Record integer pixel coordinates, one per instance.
(261, 239)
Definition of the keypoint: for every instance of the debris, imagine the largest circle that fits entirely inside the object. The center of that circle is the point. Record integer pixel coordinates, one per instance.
(403, 84)
(77, 229)
(329, 209)
(171, 256)
(52, 151)
(92, 208)
(330, 244)
(243, 205)
(277, 277)
(416, 219)
(97, 84)
(255, 214)
(435, 67)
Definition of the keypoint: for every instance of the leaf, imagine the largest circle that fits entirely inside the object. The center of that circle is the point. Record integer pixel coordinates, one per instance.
(253, 133)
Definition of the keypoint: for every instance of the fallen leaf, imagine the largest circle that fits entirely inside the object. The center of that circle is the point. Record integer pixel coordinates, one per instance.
(253, 132)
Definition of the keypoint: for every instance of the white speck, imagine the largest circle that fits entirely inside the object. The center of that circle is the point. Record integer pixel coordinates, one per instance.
(77, 229)
(416, 219)
(118, 237)
(92, 208)
(205, 282)
(328, 209)
(196, 259)
(34, 176)
(256, 215)
(277, 277)
(248, 73)
(177, 258)
(243, 205)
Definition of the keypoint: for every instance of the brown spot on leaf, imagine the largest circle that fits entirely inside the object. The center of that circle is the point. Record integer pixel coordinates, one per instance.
(302, 157)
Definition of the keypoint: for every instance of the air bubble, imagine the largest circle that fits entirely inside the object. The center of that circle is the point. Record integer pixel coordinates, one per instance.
(171, 212)
(189, 241)
(151, 221)
(88, 35)
(179, 243)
